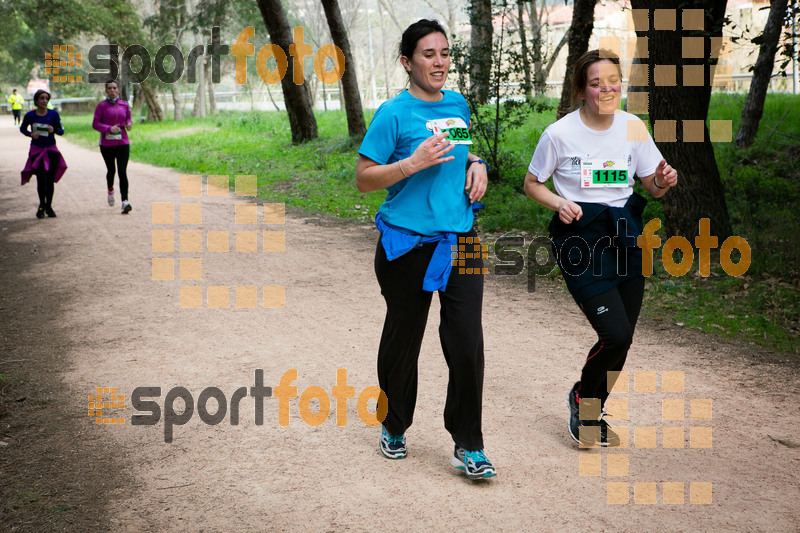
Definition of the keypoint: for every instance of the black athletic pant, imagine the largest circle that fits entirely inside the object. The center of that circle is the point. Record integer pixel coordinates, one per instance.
(120, 154)
(45, 180)
(613, 315)
(460, 332)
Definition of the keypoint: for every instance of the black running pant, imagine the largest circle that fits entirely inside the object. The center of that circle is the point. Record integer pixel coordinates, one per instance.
(45, 180)
(613, 315)
(120, 154)
(460, 333)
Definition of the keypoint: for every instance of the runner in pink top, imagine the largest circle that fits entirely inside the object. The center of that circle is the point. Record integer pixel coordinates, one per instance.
(112, 118)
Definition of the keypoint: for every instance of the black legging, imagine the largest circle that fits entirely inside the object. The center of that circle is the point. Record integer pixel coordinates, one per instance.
(119, 153)
(45, 180)
(460, 333)
(613, 315)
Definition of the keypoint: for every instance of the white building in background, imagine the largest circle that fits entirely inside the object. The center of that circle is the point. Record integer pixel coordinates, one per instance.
(613, 24)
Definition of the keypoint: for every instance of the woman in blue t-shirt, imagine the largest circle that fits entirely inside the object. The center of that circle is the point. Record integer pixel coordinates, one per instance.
(417, 148)
(44, 159)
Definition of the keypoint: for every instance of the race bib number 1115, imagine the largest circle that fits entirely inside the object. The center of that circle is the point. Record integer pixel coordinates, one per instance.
(604, 173)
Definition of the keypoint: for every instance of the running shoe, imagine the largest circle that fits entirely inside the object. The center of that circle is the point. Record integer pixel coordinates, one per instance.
(574, 412)
(40, 212)
(393, 446)
(111, 197)
(608, 437)
(126, 207)
(474, 464)
(596, 432)
(50, 212)
(457, 460)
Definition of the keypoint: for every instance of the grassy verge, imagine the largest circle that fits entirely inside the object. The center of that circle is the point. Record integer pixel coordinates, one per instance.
(317, 176)
(762, 185)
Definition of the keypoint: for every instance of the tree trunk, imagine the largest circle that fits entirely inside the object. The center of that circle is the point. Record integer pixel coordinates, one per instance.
(637, 83)
(122, 80)
(352, 98)
(383, 52)
(199, 93)
(527, 86)
(154, 112)
(579, 33)
(296, 98)
(535, 15)
(762, 72)
(138, 103)
(451, 17)
(212, 101)
(541, 73)
(176, 102)
(699, 193)
(480, 18)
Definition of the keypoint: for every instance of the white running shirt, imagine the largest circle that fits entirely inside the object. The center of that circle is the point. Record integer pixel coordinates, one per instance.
(567, 142)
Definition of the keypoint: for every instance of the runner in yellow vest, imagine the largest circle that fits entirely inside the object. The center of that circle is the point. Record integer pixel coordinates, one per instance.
(16, 102)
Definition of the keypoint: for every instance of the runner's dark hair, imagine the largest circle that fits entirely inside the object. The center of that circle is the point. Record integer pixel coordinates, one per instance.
(415, 32)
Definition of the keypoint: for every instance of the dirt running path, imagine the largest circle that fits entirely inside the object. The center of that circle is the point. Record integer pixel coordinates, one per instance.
(80, 305)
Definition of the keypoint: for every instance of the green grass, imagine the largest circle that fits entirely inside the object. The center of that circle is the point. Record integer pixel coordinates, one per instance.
(762, 186)
(318, 176)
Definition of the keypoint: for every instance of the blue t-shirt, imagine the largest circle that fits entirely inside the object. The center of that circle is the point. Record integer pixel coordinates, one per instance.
(431, 201)
(51, 118)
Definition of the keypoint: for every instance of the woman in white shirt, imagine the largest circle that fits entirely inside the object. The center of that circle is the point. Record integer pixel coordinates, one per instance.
(592, 155)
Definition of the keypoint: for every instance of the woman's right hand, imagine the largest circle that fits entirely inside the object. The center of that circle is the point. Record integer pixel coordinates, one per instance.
(34, 135)
(432, 151)
(569, 211)
(114, 129)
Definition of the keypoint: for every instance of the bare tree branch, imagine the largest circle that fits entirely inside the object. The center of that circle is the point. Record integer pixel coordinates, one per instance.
(389, 9)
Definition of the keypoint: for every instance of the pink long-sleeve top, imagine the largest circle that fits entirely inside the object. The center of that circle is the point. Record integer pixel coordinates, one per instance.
(108, 114)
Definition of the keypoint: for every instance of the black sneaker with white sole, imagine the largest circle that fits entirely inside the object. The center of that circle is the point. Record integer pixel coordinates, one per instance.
(574, 412)
(595, 432)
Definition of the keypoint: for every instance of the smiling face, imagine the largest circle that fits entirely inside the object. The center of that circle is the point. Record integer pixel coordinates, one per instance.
(41, 100)
(112, 90)
(428, 66)
(603, 89)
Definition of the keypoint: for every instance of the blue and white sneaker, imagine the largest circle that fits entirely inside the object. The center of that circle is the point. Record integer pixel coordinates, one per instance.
(474, 464)
(393, 446)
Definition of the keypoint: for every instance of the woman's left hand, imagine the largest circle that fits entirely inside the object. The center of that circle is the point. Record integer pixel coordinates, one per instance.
(477, 179)
(50, 128)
